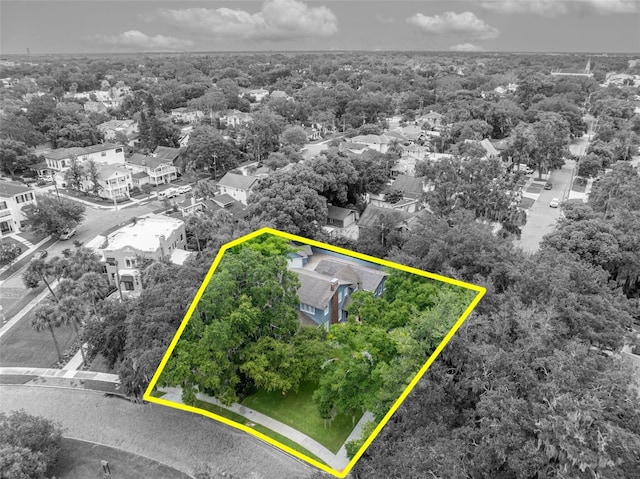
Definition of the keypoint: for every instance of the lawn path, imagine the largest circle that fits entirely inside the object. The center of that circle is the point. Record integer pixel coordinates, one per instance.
(179, 439)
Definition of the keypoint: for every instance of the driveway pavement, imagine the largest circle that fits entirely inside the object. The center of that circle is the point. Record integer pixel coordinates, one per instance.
(179, 439)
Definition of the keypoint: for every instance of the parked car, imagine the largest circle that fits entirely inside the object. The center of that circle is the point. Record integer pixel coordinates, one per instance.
(554, 203)
(40, 255)
(168, 193)
(68, 233)
(547, 185)
(184, 189)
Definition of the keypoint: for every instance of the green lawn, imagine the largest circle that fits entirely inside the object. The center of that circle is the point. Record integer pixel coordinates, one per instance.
(301, 413)
(81, 460)
(220, 411)
(23, 346)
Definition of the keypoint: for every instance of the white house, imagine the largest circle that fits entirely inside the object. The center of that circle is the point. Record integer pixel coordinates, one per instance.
(159, 170)
(109, 153)
(237, 186)
(235, 118)
(186, 115)
(13, 197)
(153, 237)
(375, 142)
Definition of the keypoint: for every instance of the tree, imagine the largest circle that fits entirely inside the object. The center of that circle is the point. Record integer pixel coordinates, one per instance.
(551, 133)
(17, 127)
(15, 156)
(37, 270)
(71, 311)
(75, 174)
(46, 317)
(264, 134)
(51, 215)
(589, 166)
(94, 176)
(30, 444)
(93, 286)
(295, 136)
(291, 207)
(208, 149)
(8, 253)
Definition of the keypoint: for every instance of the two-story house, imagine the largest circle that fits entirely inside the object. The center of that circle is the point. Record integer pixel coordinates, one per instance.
(159, 170)
(152, 237)
(13, 197)
(327, 281)
(115, 181)
(237, 186)
(60, 159)
(234, 118)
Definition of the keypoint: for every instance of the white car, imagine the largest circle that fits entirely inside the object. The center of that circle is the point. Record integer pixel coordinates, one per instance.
(68, 233)
(184, 189)
(554, 203)
(168, 193)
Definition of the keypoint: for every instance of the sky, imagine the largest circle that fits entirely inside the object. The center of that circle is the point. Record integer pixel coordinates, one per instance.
(113, 26)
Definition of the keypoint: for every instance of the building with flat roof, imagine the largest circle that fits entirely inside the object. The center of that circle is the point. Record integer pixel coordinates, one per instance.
(151, 237)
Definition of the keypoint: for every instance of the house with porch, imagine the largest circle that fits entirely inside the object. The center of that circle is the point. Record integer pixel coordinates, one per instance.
(115, 181)
(235, 118)
(159, 170)
(13, 197)
(327, 280)
(433, 119)
(60, 159)
(186, 115)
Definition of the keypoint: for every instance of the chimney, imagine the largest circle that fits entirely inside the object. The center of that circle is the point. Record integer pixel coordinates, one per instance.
(144, 162)
(334, 284)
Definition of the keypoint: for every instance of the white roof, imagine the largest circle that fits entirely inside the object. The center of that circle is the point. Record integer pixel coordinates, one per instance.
(179, 256)
(145, 234)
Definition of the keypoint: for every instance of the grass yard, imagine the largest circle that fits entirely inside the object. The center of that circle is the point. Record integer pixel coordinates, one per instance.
(526, 203)
(301, 413)
(579, 185)
(82, 460)
(23, 346)
(220, 411)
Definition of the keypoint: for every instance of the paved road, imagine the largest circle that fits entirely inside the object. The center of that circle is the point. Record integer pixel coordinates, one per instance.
(541, 219)
(179, 439)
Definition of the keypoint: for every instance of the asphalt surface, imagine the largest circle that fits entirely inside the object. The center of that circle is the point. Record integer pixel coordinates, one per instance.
(176, 438)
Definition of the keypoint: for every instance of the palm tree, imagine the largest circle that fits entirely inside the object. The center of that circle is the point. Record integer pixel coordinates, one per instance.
(395, 148)
(92, 286)
(71, 311)
(45, 317)
(41, 269)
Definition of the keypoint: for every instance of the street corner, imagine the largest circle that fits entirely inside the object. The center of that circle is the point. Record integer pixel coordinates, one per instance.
(300, 344)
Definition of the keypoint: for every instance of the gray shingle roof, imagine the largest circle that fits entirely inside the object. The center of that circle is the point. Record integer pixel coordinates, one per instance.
(7, 190)
(240, 182)
(315, 289)
(367, 279)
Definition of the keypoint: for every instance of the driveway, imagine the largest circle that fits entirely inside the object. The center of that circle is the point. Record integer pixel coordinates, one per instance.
(179, 439)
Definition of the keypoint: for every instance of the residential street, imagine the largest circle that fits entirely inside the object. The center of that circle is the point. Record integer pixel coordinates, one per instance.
(541, 219)
(179, 439)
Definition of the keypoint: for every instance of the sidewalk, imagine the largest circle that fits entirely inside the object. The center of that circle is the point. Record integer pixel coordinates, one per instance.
(336, 461)
(60, 373)
(18, 316)
(91, 204)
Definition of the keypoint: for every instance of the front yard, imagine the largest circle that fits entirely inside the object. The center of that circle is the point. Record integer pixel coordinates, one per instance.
(22, 346)
(299, 411)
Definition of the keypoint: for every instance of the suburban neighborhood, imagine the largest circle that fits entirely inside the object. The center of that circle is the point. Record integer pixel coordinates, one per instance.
(440, 141)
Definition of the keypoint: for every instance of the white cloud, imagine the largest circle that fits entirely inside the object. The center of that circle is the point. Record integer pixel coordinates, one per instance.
(560, 7)
(277, 20)
(138, 40)
(464, 24)
(466, 47)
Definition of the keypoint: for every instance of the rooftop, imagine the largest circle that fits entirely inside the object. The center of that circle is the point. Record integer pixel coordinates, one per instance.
(63, 153)
(8, 189)
(144, 234)
(240, 182)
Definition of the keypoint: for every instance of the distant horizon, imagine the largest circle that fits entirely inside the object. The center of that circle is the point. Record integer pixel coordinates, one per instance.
(53, 27)
(196, 52)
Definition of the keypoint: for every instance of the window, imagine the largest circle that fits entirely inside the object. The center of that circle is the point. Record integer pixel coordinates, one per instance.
(340, 295)
(130, 262)
(326, 310)
(3, 205)
(118, 150)
(104, 153)
(307, 309)
(128, 285)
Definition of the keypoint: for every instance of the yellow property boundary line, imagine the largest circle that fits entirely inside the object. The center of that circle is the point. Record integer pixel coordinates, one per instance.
(340, 474)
